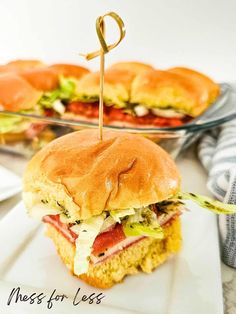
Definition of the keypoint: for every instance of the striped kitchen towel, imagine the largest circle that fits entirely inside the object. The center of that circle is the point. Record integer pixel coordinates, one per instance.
(217, 152)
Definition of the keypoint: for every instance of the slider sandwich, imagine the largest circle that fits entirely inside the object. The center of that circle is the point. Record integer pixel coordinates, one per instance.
(135, 94)
(176, 96)
(56, 82)
(17, 95)
(117, 88)
(111, 207)
(32, 87)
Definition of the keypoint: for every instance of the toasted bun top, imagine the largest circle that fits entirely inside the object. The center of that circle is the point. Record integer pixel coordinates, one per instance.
(212, 87)
(117, 85)
(22, 65)
(87, 176)
(6, 69)
(69, 70)
(164, 89)
(16, 94)
(136, 67)
(43, 79)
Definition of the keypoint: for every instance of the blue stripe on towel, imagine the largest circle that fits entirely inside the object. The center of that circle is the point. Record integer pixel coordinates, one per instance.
(217, 152)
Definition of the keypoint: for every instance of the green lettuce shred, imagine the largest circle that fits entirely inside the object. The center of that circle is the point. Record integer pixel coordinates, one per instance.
(65, 92)
(90, 228)
(137, 229)
(118, 214)
(8, 123)
(208, 203)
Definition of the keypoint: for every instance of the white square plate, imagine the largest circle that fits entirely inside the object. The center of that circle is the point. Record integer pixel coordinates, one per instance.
(187, 283)
(10, 183)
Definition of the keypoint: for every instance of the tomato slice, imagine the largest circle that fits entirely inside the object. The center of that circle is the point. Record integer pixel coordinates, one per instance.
(102, 242)
(108, 239)
(90, 110)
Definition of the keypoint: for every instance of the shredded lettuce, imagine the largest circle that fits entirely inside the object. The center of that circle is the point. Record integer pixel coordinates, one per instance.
(76, 228)
(67, 87)
(10, 123)
(118, 214)
(65, 92)
(49, 98)
(208, 203)
(144, 215)
(108, 222)
(40, 210)
(137, 229)
(137, 217)
(89, 230)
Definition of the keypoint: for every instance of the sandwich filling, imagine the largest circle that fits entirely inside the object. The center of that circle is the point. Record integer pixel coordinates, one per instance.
(67, 103)
(100, 237)
(50, 103)
(132, 115)
(14, 128)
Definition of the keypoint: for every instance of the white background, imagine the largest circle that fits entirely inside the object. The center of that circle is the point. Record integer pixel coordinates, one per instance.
(200, 34)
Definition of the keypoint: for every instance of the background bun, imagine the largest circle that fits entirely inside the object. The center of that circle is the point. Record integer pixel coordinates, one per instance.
(69, 70)
(87, 176)
(163, 89)
(212, 87)
(43, 79)
(16, 94)
(135, 67)
(21, 65)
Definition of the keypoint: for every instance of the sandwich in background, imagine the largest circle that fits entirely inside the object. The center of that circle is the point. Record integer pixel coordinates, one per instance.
(117, 88)
(136, 94)
(56, 82)
(173, 94)
(17, 95)
(32, 87)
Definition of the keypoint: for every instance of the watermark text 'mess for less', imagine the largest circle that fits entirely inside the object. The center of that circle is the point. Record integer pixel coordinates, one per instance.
(17, 296)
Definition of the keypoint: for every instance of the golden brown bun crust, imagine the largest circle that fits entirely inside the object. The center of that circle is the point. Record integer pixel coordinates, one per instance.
(145, 255)
(16, 94)
(69, 70)
(6, 69)
(136, 67)
(162, 88)
(43, 79)
(89, 176)
(22, 65)
(119, 76)
(213, 88)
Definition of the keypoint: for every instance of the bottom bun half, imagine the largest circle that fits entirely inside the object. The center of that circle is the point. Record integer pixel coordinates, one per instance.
(144, 255)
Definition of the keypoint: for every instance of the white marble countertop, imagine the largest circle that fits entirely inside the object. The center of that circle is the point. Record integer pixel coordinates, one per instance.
(194, 178)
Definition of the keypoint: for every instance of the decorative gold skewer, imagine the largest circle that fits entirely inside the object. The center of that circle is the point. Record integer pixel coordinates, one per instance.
(100, 28)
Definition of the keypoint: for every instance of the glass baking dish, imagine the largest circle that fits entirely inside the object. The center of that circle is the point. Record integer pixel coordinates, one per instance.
(172, 139)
